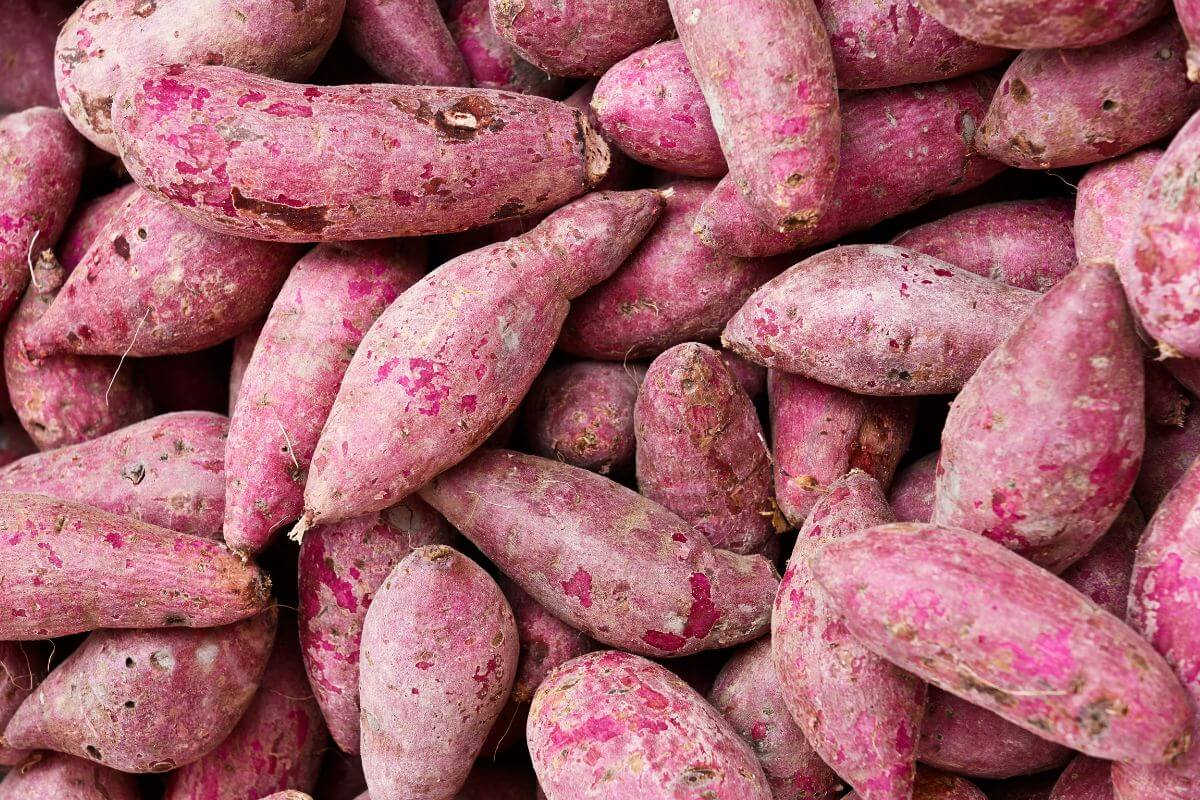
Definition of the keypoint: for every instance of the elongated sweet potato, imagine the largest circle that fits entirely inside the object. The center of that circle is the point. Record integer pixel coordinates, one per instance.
(27, 52)
(931, 785)
(604, 559)
(1085, 779)
(911, 495)
(243, 350)
(453, 159)
(491, 61)
(1106, 204)
(405, 42)
(1023, 24)
(61, 777)
(22, 668)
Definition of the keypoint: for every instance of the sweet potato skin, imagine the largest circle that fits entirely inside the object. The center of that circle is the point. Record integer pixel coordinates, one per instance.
(243, 350)
(1023, 25)
(57, 776)
(932, 785)
(911, 494)
(405, 42)
(27, 53)
(604, 559)
(1106, 204)
(491, 61)
(85, 224)
(497, 156)
(24, 666)
(1104, 574)
(1084, 779)
(644, 711)
(1169, 451)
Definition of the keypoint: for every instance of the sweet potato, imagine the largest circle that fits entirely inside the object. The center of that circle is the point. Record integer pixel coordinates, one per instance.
(72, 568)
(620, 168)
(289, 795)
(22, 668)
(167, 471)
(431, 688)
(877, 319)
(1188, 12)
(1103, 575)
(1047, 114)
(1085, 779)
(243, 350)
(1107, 203)
(751, 376)
(491, 61)
(1042, 446)
(978, 620)
(604, 710)
(108, 42)
(87, 221)
(604, 559)
(1169, 451)
(62, 777)
(27, 52)
(147, 700)
(1025, 243)
(440, 370)
(341, 567)
(453, 158)
(1023, 24)
(911, 495)
(405, 42)
(932, 785)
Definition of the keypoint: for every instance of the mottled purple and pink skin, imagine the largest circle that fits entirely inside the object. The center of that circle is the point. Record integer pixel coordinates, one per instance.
(328, 302)
(861, 714)
(911, 492)
(773, 101)
(701, 450)
(108, 42)
(672, 289)
(932, 785)
(86, 222)
(1106, 204)
(819, 433)
(610, 724)
(1169, 452)
(604, 559)
(453, 357)
(582, 414)
(276, 745)
(256, 157)
(977, 620)
(72, 568)
(1025, 243)
(491, 61)
(1024, 24)
(1104, 574)
(27, 53)
(1063, 107)
(23, 665)
(341, 566)
(243, 349)
(405, 42)
(432, 687)
(56, 776)
(747, 692)
(900, 149)
(1042, 446)
(1085, 779)
(167, 471)
(877, 320)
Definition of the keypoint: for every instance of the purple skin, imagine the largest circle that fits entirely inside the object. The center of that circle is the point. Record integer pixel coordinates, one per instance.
(147, 700)
(1023, 24)
(85, 224)
(1031, 787)
(751, 376)
(701, 451)
(243, 350)
(979, 621)
(1025, 243)
(453, 158)
(932, 785)
(341, 567)
(443, 367)
(672, 290)
(602, 711)
(1086, 779)
(431, 686)
(329, 300)
(1170, 450)
(167, 471)
(900, 148)
(911, 494)
(1106, 204)
(1167, 402)
(23, 665)
(1042, 446)
(491, 60)
(56, 776)
(405, 42)
(72, 568)
(604, 559)
(819, 433)
(27, 53)
(748, 694)
(1104, 574)
(877, 320)
(1063, 108)
(861, 714)
(582, 414)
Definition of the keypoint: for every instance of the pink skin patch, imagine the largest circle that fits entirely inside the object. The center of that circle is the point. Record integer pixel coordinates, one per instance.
(580, 587)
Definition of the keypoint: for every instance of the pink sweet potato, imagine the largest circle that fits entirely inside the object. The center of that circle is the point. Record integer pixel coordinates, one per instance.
(1106, 204)
(22, 668)
(1043, 444)
(431, 686)
(1103, 575)
(1169, 451)
(86, 223)
(27, 52)
(452, 158)
(243, 350)
(978, 620)
(147, 700)
(701, 451)
(751, 376)
(108, 42)
(911, 495)
(491, 61)
(877, 319)
(71, 568)
(440, 370)
(660, 740)
(1024, 24)
(62, 777)
(405, 42)
(1085, 779)
(932, 785)
(604, 559)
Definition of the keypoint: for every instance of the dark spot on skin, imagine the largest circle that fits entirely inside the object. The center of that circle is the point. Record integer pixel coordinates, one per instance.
(173, 620)
(698, 776)
(129, 662)
(144, 8)
(1109, 104)
(130, 704)
(98, 111)
(463, 121)
(141, 234)
(310, 219)
(299, 5)
(162, 766)
(1019, 91)
(507, 211)
(121, 246)
(134, 473)
(94, 752)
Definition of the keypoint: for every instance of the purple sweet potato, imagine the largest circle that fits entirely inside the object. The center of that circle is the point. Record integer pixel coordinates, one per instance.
(167, 471)
(1106, 204)
(1085, 779)
(980, 621)
(341, 567)
(86, 223)
(611, 724)
(582, 414)
(877, 319)
(860, 713)
(147, 700)
(22, 668)
(108, 42)
(27, 52)
(751, 376)
(620, 168)
(911, 494)
(307, 163)
(431, 686)
(289, 795)
(701, 451)
(820, 433)
(1103, 575)
(1025, 243)
(441, 369)
(329, 300)
(672, 290)
(1062, 108)
(604, 559)
(243, 350)
(405, 42)
(1042, 446)
(71, 568)
(932, 785)
(61, 777)
(1169, 451)
(1023, 24)
(491, 61)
